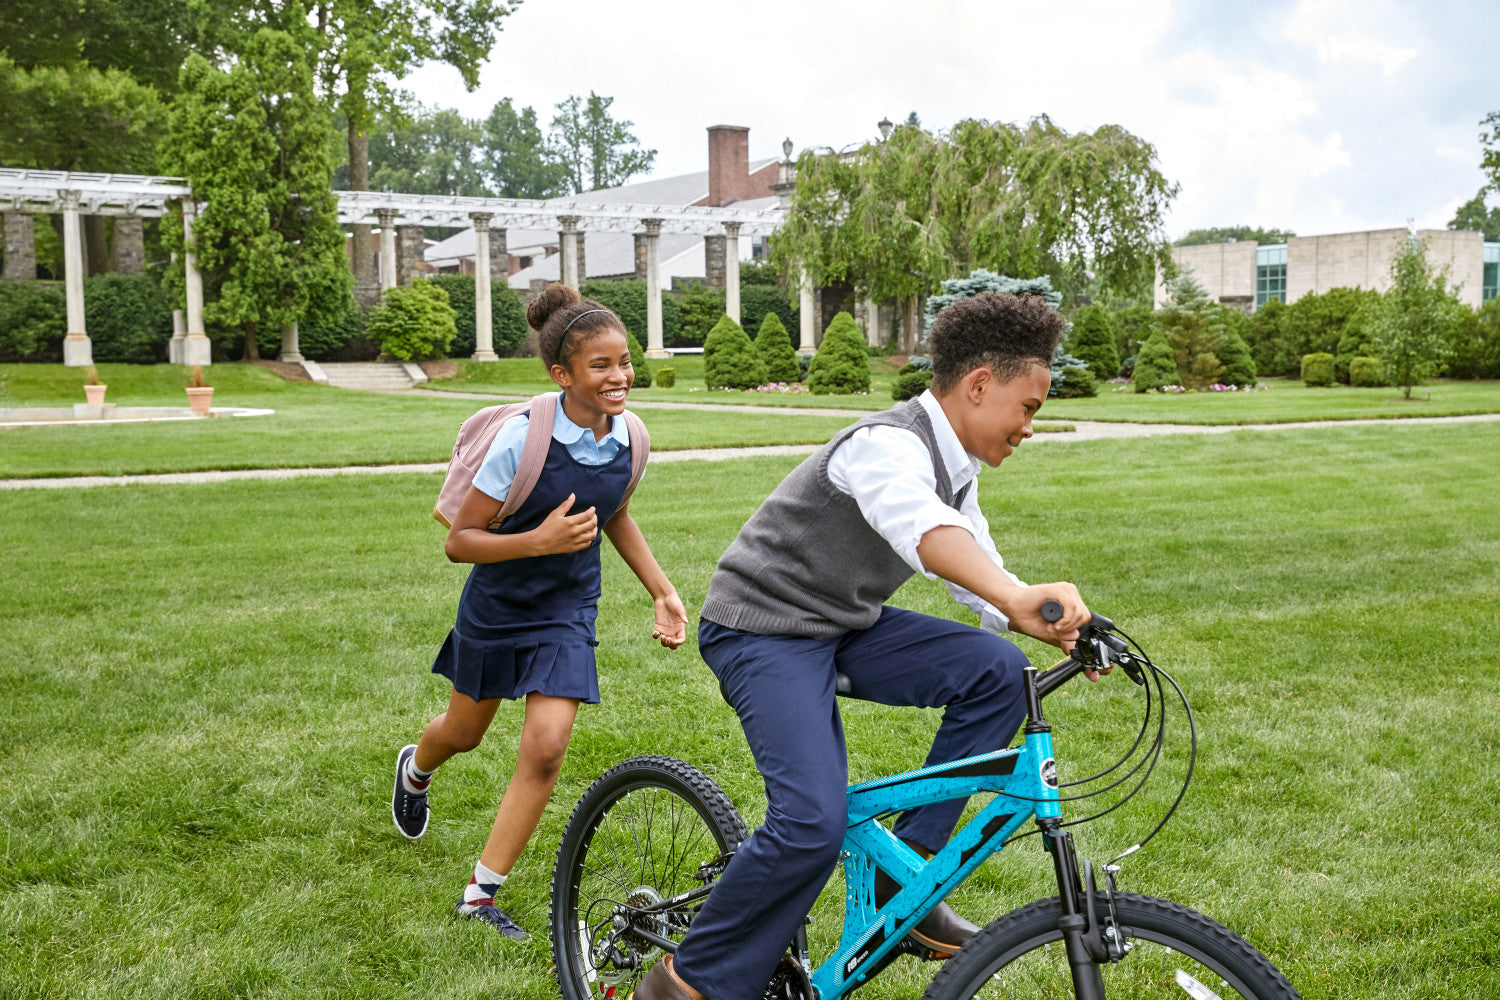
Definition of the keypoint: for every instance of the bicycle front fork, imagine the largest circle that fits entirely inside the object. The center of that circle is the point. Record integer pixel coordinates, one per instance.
(1089, 937)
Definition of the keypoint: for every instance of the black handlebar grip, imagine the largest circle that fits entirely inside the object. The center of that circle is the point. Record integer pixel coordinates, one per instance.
(1052, 610)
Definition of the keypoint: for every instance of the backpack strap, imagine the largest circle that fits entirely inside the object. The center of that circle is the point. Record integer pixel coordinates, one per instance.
(640, 451)
(533, 454)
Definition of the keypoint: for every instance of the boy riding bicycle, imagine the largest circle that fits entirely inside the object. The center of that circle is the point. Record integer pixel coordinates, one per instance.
(799, 597)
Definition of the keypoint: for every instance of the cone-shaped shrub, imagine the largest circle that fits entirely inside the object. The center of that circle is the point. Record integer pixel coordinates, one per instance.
(1092, 341)
(1156, 366)
(774, 346)
(730, 360)
(638, 362)
(1234, 355)
(841, 365)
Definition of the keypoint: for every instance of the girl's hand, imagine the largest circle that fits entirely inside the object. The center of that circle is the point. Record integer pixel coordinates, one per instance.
(671, 621)
(563, 532)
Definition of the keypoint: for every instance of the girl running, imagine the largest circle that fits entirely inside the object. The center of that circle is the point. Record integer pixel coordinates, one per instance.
(525, 627)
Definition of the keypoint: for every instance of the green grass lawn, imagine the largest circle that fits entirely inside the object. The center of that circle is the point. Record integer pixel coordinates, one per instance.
(312, 426)
(204, 688)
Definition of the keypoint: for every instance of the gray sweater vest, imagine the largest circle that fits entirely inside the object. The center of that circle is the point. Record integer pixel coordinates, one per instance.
(807, 563)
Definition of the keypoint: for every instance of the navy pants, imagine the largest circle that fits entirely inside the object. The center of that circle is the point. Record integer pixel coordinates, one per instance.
(783, 689)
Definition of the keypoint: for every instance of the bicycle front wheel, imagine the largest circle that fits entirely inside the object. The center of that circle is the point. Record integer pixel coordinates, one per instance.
(1174, 952)
(650, 830)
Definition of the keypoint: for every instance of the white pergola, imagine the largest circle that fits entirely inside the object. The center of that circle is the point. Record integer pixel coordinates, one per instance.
(74, 194)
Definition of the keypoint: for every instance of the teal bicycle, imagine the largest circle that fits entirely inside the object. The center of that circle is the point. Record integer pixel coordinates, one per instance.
(647, 841)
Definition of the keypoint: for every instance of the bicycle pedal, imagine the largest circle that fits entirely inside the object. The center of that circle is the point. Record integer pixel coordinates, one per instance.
(922, 952)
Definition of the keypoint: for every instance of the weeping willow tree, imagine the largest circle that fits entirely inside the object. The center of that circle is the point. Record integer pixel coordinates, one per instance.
(895, 218)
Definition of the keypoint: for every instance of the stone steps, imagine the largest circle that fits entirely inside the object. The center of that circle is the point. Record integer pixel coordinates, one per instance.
(374, 376)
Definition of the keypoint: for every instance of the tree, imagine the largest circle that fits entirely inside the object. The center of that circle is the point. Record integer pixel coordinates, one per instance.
(596, 151)
(897, 217)
(1315, 324)
(521, 164)
(730, 360)
(1194, 328)
(1155, 368)
(1265, 337)
(427, 151)
(253, 139)
(1234, 354)
(1410, 324)
(841, 365)
(1233, 234)
(145, 39)
(1474, 342)
(75, 117)
(360, 46)
(1092, 340)
(1474, 217)
(1133, 324)
(774, 345)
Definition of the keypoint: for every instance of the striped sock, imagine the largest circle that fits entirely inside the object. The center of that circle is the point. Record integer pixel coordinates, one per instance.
(480, 891)
(413, 778)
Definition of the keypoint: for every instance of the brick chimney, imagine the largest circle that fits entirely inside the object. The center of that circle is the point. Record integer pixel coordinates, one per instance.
(728, 164)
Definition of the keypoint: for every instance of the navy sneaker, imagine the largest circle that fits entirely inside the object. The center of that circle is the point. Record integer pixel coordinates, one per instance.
(407, 809)
(494, 916)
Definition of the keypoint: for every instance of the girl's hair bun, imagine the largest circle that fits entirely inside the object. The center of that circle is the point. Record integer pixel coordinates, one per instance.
(554, 297)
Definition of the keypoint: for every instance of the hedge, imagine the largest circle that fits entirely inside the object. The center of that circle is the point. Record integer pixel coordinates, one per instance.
(910, 383)
(1367, 372)
(33, 319)
(628, 300)
(128, 318)
(759, 301)
(1318, 369)
(730, 361)
(841, 364)
(508, 329)
(412, 322)
(638, 361)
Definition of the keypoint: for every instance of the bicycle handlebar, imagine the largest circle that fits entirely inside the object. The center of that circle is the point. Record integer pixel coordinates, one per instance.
(1097, 648)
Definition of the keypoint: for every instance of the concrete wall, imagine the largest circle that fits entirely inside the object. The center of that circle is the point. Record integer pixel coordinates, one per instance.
(1225, 270)
(1462, 253)
(1314, 264)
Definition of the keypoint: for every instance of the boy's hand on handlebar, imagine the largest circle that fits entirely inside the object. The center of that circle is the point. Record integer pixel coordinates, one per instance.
(563, 532)
(1025, 613)
(671, 621)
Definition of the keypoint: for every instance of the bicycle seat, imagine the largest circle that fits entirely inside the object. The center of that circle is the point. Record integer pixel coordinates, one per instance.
(841, 687)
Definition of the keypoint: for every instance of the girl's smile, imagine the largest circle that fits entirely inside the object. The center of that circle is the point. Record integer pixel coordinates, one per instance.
(596, 381)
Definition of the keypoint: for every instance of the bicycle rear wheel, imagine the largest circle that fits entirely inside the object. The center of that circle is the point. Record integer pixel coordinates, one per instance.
(649, 830)
(1175, 952)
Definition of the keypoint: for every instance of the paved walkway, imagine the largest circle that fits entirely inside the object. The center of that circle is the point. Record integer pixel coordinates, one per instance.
(1085, 430)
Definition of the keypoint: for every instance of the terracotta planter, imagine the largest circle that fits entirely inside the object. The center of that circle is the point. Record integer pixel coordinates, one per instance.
(200, 399)
(94, 394)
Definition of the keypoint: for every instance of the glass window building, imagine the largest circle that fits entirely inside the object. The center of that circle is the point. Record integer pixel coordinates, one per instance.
(1270, 273)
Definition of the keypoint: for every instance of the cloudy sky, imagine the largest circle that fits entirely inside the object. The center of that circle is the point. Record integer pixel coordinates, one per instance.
(1319, 116)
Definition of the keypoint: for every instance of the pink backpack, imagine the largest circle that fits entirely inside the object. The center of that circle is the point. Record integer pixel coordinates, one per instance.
(478, 432)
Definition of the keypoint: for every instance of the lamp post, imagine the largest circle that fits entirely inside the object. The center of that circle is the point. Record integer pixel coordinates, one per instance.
(885, 127)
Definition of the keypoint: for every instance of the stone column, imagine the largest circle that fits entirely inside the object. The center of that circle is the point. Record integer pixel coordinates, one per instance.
(808, 321)
(410, 243)
(652, 241)
(713, 261)
(20, 246)
(872, 323)
(130, 245)
(567, 239)
(582, 259)
(291, 351)
(77, 349)
(499, 256)
(179, 330)
(640, 256)
(196, 349)
(732, 270)
(387, 217)
(484, 338)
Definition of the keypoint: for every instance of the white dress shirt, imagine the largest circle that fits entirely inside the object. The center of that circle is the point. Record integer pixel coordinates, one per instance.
(888, 472)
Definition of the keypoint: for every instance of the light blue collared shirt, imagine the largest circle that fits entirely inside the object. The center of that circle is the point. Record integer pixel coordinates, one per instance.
(498, 470)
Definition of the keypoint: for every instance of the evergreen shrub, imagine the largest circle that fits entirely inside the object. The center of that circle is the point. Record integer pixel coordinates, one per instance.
(841, 364)
(412, 322)
(638, 362)
(775, 349)
(1367, 372)
(321, 340)
(910, 383)
(1077, 382)
(1234, 355)
(759, 301)
(666, 377)
(730, 360)
(1092, 340)
(1318, 369)
(33, 320)
(1156, 365)
(129, 318)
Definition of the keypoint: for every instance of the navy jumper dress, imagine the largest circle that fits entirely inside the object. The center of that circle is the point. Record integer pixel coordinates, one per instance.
(527, 625)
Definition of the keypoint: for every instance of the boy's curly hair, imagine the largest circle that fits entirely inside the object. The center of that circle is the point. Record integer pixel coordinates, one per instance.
(1007, 334)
